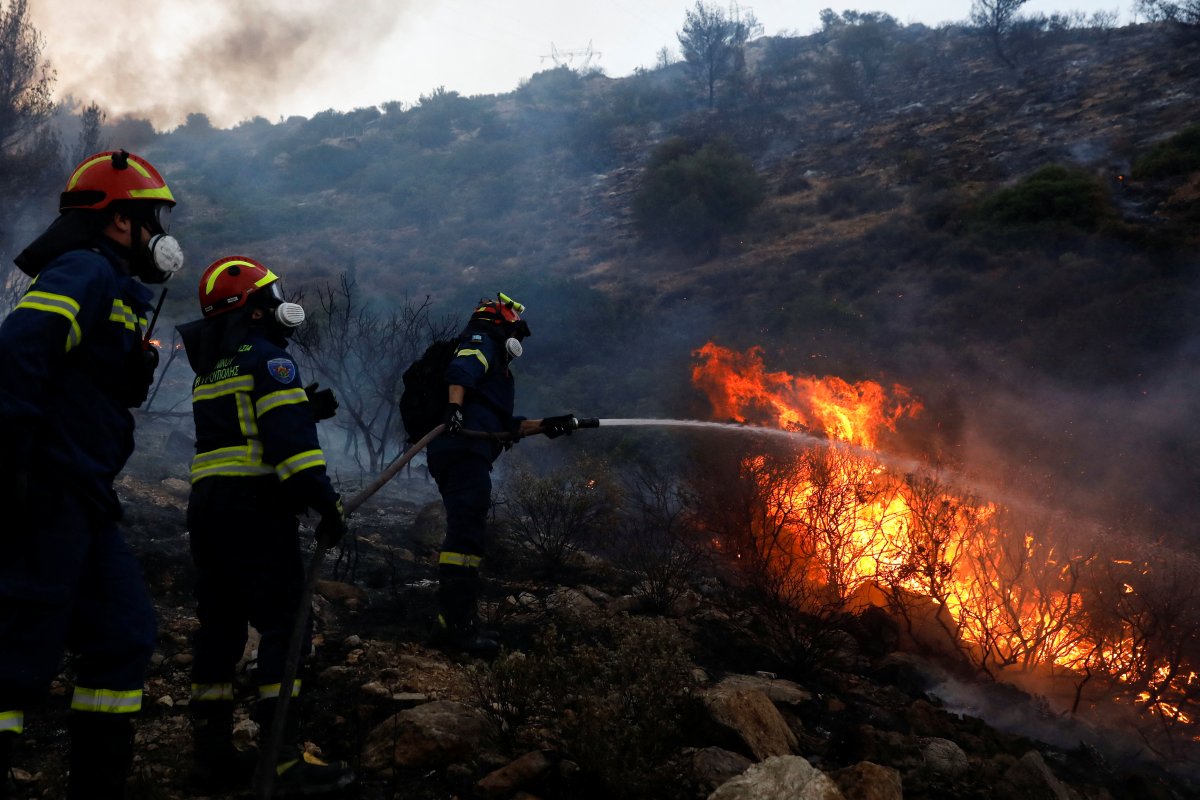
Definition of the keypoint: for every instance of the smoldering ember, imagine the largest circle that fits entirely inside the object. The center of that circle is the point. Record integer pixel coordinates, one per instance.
(883, 341)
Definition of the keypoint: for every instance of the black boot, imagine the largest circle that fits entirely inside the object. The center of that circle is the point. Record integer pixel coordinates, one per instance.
(7, 740)
(296, 771)
(217, 766)
(457, 624)
(101, 755)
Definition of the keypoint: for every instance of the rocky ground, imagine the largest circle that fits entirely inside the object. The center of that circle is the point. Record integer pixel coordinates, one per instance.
(871, 722)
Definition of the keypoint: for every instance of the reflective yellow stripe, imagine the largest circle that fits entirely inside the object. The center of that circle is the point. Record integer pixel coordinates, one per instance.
(204, 692)
(106, 701)
(85, 166)
(272, 690)
(460, 559)
(478, 354)
(122, 313)
(212, 279)
(12, 721)
(299, 462)
(270, 402)
(210, 391)
(151, 194)
(247, 420)
(55, 304)
(239, 461)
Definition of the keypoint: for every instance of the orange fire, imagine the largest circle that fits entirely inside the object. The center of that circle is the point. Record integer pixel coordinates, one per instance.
(741, 389)
(846, 525)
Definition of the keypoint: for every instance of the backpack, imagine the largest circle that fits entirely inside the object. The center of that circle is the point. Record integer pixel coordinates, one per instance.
(423, 400)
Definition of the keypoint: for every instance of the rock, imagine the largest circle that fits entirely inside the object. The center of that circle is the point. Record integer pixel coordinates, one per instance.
(596, 595)
(925, 719)
(944, 757)
(430, 735)
(566, 599)
(867, 781)
(713, 766)
(375, 689)
(779, 778)
(351, 642)
(511, 777)
(751, 718)
(176, 486)
(342, 592)
(1033, 779)
(779, 691)
(166, 700)
(429, 528)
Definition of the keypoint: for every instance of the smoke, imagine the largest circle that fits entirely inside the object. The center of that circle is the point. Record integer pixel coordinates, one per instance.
(229, 59)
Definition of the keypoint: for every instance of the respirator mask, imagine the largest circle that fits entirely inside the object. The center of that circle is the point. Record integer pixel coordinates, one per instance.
(162, 256)
(517, 331)
(287, 315)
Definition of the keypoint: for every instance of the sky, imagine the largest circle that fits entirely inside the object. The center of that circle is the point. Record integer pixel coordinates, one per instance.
(237, 59)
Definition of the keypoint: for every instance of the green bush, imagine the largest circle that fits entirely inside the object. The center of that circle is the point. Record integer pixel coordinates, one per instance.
(1054, 196)
(693, 194)
(611, 693)
(1178, 155)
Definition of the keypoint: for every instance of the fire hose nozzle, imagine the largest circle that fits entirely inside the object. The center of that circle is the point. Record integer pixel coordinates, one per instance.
(587, 422)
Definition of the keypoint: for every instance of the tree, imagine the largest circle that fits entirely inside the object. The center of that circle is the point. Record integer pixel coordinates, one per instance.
(27, 159)
(713, 44)
(1186, 13)
(693, 194)
(995, 19)
(90, 140)
(861, 43)
(361, 353)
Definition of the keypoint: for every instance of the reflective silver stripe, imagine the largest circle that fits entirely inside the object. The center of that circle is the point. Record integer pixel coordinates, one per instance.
(12, 721)
(460, 559)
(477, 353)
(202, 692)
(272, 690)
(269, 402)
(106, 701)
(209, 391)
(55, 304)
(247, 420)
(299, 462)
(122, 313)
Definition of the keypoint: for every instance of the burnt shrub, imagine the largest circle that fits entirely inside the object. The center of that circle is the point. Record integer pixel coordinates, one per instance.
(1053, 197)
(1176, 156)
(856, 196)
(610, 693)
(692, 194)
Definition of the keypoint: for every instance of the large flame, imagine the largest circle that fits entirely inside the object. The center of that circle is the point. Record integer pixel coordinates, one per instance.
(841, 522)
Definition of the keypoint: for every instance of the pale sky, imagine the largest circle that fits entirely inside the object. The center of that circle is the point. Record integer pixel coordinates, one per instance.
(236, 59)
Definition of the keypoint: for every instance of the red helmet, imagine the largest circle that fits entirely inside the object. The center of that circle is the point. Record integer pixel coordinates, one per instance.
(229, 282)
(499, 311)
(113, 176)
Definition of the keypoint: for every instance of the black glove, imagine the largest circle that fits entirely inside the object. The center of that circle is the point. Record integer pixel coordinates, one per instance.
(322, 403)
(554, 427)
(453, 419)
(332, 526)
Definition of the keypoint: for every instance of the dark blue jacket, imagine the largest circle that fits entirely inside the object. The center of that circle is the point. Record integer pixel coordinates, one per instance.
(253, 420)
(480, 364)
(65, 355)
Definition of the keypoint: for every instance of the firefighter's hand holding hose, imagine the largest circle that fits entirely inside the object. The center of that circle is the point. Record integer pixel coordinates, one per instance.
(332, 526)
(562, 425)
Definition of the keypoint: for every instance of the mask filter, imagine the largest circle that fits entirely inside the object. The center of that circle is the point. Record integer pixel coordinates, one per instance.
(289, 315)
(166, 258)
(514, 348)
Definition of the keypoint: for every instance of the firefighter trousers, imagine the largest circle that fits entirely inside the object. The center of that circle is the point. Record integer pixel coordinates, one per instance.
(464, 479)
(70, 582)
(249, 570)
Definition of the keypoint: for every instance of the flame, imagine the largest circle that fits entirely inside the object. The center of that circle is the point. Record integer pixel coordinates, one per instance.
(741, 389)
(841, 522)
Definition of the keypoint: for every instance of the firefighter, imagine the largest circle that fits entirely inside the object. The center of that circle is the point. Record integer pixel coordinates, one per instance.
(258, 464)
(481, 398)
(75, 357)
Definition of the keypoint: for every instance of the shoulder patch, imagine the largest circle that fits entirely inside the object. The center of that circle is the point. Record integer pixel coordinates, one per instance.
(282, 369)
(475, 337)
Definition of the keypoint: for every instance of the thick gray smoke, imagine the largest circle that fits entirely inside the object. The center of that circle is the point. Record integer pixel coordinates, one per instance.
(230, 59)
